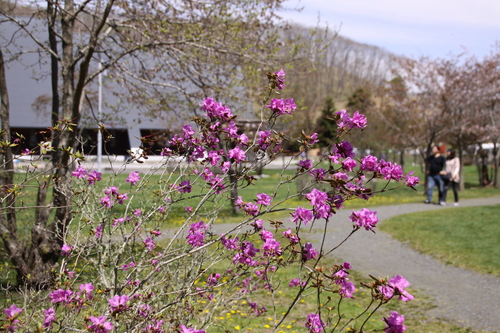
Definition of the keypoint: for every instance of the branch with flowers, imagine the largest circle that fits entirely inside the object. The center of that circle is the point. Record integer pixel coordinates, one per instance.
(122, 270)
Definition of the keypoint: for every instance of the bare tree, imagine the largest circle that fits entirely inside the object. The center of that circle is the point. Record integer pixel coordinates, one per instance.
(176, 48)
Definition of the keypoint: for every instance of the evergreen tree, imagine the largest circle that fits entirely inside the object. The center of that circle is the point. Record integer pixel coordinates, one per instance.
(325, 126)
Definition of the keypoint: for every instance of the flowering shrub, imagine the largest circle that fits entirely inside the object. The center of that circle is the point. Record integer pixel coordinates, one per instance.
(121, 270)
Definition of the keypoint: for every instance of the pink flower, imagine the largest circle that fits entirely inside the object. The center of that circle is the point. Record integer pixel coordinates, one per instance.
(338, 201)
(346, 122)
(185, 186)
(302, 214)
(212, 279)
(230, 243)
(121, 198)
(316, 197)
(264, 140)
(215, 110)
(93, 177)
(112, 190)
(281, 106)
(411, 180)
(213, 157)
(394, 323)
(149, 244)
(251, 209)
(187, 131)
(184, 329)
(107, 202)
(155, 327)
(349, 164)
(80, 172)
(12, 311)
(347, 288)
(266, 234)
(60, 296)
(358, 120)
(386, 291)
(127, 266)
(364, 218)
(399, 283)
(98, 231)
(50, 317)
(368, 163)
(344, 149)
(86, 289)
(306, 164)
(314, 323)
(309, 252)
(296, 282)
(263, 199)
(294, 239)
(232, 130)
(280, 79)
(318, 174)
(237, 154)
(118, 303)
(66, 250)
(243, 139)
(196, 234)
(271, 248)
(25, 152)
(118, 221)
(257, 224)
(313, 138)
(390, 170)
(99, 325)
(133, 178)
(144, 310)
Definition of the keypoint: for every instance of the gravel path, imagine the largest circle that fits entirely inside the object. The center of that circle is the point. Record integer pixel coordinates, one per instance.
(464, 297)
(461, 296)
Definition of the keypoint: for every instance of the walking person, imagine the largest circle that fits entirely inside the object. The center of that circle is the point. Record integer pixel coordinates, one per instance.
(436, 163)
(451, 175)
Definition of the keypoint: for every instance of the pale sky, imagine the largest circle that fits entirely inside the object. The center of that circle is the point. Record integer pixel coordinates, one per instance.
(413, 28)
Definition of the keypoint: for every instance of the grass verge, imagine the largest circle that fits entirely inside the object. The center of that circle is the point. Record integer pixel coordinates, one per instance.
(465, 237)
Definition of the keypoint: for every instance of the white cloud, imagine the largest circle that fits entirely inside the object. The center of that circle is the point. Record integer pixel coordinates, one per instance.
(483, 13)
(429, 27)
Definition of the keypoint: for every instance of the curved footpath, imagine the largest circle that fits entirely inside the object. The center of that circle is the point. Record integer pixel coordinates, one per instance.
(464, 297)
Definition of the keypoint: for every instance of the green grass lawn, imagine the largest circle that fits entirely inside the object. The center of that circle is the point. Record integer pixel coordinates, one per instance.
(466, 237)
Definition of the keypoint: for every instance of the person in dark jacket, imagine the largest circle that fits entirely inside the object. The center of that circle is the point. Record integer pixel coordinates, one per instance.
(436, 163)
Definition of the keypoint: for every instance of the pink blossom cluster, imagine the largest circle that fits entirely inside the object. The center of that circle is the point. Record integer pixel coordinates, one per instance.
(321, 203)
(394, 323)
(364, 218)
(280, 79)
(282, 106)
(112, 193)
(346, 122)
(314, 323)
(92, 176)
(196, 234)
(341, 277)
(216, 110)
(396, 286)
(133, 177)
